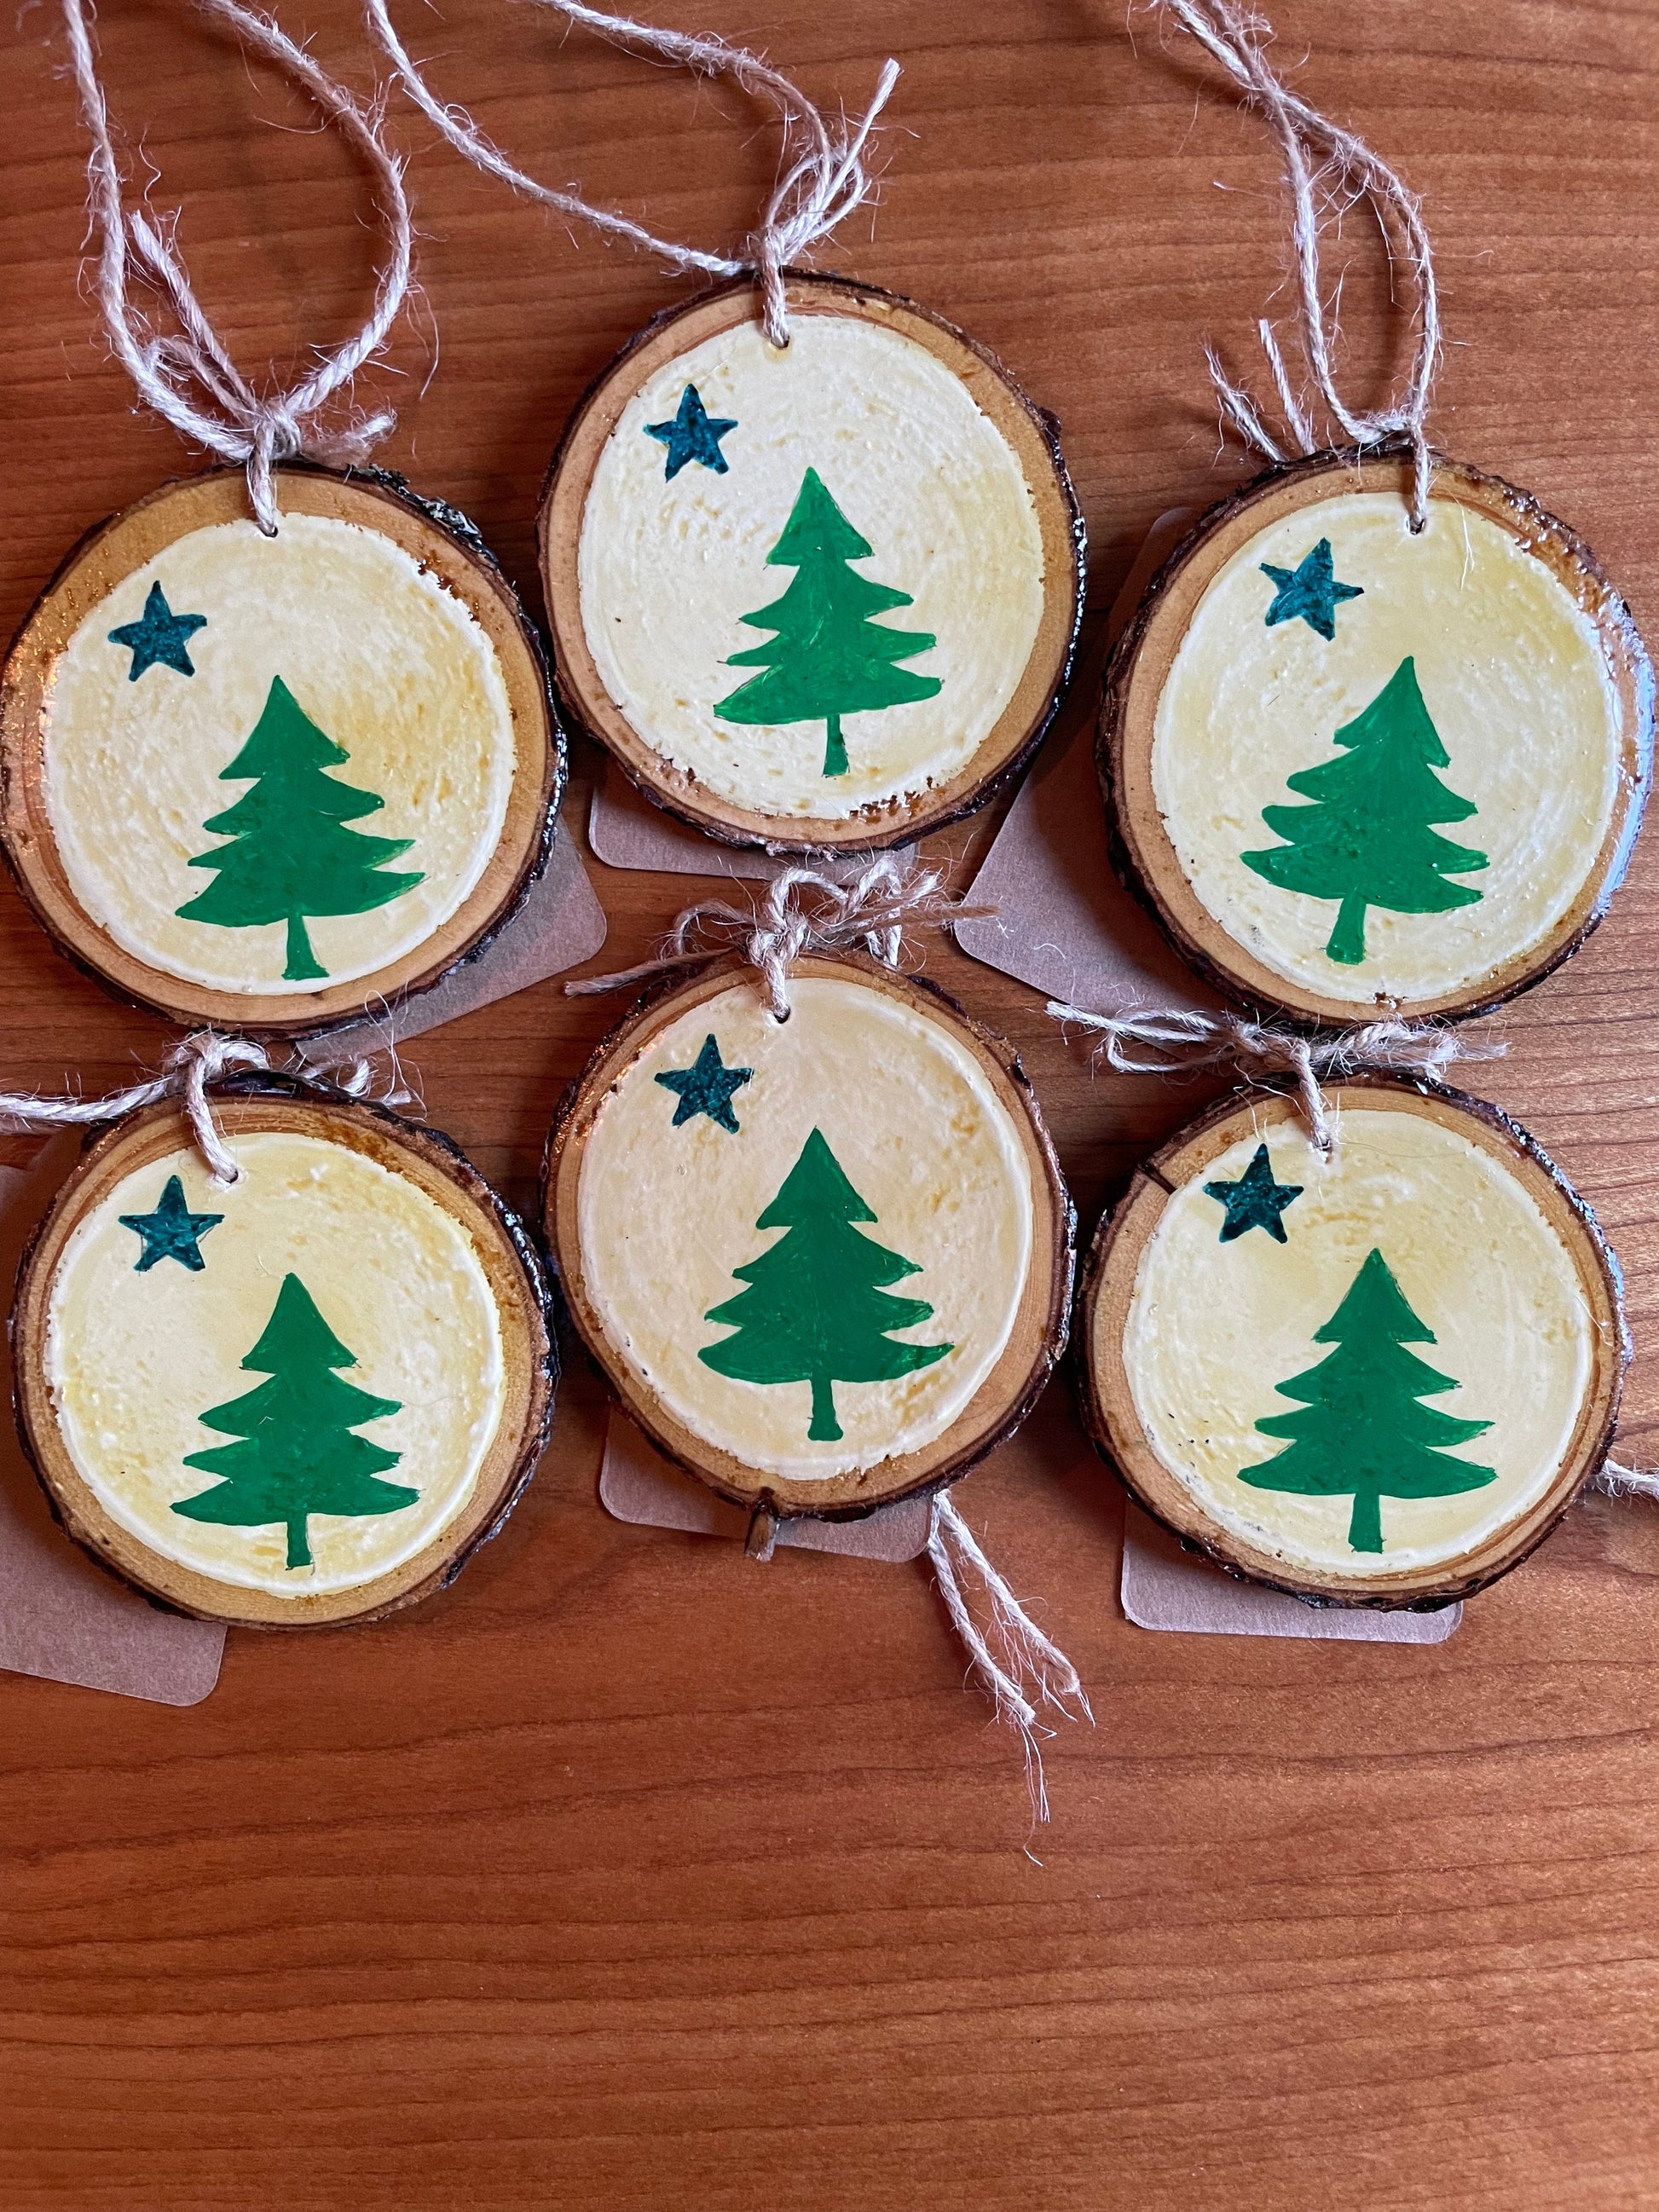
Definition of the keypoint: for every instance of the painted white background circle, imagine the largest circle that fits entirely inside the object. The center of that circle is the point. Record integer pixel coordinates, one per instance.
(1213, 1329)
(664, 1215)
(132, 1359)
(1513, 676)
(383, 658)
(668, 570)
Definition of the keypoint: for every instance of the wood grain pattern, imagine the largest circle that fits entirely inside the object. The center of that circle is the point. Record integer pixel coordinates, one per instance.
(632, 1875)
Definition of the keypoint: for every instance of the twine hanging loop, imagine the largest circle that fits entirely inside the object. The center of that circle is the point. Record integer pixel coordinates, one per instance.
(185, 374)
(824, 175)
(1163, 1041)
(204, 1057)
(802, 911)
(1321, 159)
(194, 1062)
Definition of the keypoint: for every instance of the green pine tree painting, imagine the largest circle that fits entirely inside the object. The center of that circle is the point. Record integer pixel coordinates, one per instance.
(297, 1454)
(1359, 1429)
(813, 1312)
(291, 854)
(1367, 841)
(828, 657)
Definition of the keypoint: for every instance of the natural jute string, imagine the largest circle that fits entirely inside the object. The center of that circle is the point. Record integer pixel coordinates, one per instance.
(1165, 1039)
(193, 1063)
(1028, 1670)
(1321, 158)
(186, 376)
(803, 912)
(822, 176)
(1621, 1482)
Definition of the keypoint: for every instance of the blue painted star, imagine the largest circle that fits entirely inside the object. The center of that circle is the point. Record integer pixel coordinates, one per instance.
(693, 436)
(1255, 1200)
(172, 1231)
(159, 637)
(1310, 590)
(706, 1087)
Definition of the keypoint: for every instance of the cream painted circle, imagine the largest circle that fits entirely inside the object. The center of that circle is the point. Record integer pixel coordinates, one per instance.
(666, 1214)
(668, 569)
(1213, 1327)
(378, 653)
(1513, 674)
(132, 1359)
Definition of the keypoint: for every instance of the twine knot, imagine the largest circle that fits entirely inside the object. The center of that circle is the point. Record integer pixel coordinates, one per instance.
(194, 1062)
(185, 374)
(1165, 1040)
(202, 1057)
(816, 193)
(802, 911)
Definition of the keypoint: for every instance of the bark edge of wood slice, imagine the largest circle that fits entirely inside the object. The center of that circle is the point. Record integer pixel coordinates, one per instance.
(1035, 1343)
(1140, 662)
(1034, 436)
(513, 1269)
(445, 542)
(1108, 1278)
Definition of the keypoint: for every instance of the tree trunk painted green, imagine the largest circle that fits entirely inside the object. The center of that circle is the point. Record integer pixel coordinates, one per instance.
(1365, 1525)
(302, 964)
(825, 1429)
(1347, 941)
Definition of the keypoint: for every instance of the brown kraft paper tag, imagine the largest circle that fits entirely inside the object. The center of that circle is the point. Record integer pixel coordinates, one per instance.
(638, 1484)
(560, 925)
(625, 830)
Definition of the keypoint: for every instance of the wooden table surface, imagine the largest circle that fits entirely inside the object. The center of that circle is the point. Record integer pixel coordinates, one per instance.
(631, 1874)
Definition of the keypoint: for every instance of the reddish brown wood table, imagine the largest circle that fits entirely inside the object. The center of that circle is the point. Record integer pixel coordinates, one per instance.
(632, 1873)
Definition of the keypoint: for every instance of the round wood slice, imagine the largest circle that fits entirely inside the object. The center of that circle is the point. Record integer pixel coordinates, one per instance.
(1375, 1380)
(354, 1335)
(825, 1262)
(374, 655)
(1358, 771)
(882, 474)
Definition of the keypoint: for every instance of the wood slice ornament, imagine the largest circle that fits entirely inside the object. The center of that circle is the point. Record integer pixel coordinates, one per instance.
(268, 780)
(812, 558)
(1360, 768)
(276, 744)
(817, 595)
(825, 1261)
(1374, 1378)
(301, 1400)
(1378, 739)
